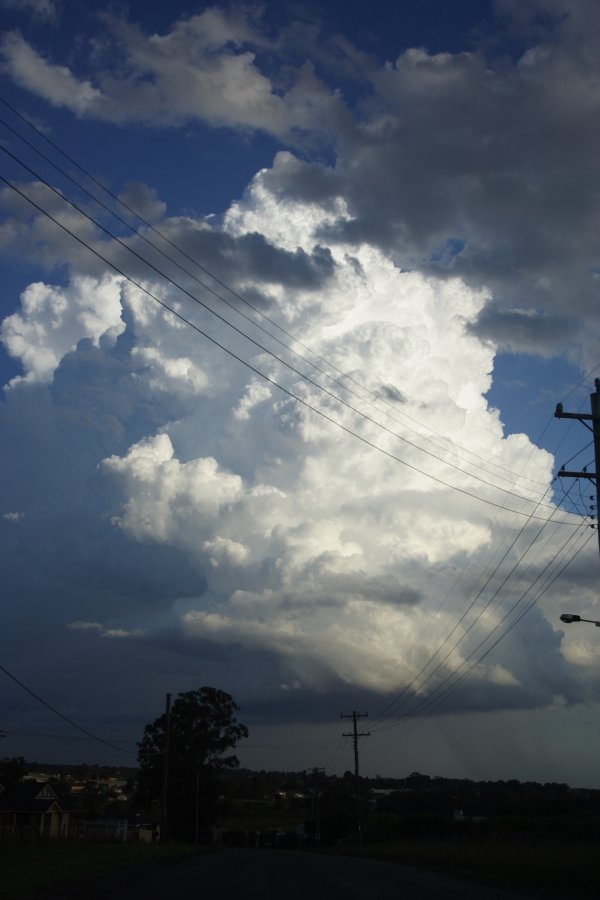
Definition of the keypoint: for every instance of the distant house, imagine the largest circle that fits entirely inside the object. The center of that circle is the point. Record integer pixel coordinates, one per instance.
(32, 808)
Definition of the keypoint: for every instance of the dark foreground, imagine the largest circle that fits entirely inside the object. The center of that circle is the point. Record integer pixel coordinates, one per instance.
(256, 875)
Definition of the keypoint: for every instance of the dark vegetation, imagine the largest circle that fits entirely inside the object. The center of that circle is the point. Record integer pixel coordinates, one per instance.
(34, 871)
(542, 838)
(202, 730)
(539, 837)
(240, 800)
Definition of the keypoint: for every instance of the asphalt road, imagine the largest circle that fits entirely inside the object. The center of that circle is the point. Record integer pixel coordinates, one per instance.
(274, 874)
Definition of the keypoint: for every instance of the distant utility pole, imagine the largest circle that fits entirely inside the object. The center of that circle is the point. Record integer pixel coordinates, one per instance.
(355, 735)
(165, 773)
(316, 773)
(584, 418)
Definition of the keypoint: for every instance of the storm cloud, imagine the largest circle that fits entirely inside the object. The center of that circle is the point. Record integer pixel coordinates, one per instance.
(317, 506)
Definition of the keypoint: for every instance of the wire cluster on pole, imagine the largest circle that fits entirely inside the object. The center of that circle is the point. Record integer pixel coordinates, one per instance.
(584, 418)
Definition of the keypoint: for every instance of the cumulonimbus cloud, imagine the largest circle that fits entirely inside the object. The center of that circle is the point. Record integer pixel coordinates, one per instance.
(283, 534)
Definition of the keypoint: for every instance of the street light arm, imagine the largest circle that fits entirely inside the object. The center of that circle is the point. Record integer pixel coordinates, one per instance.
(569, 618)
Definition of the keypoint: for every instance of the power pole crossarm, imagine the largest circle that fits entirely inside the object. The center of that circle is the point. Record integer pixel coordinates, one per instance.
(584, 418)
(559, 414)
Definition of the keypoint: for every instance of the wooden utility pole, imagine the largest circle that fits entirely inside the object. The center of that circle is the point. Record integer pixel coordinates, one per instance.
(165, 774)
(316, 772)
(584, 418)
(355, 735)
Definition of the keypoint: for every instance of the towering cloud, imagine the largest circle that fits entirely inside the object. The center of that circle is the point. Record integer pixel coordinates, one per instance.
(308, 494)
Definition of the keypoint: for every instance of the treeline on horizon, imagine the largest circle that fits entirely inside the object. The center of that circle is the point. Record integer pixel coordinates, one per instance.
(417, 805)
(306, 778)
(410, 794)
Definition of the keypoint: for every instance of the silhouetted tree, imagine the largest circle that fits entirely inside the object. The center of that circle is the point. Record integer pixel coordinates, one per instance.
(203, 729)
(12, 771)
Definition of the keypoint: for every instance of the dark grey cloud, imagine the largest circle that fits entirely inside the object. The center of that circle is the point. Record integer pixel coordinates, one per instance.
(144, 200)
(289, 268)
(472, 164)
(304, 181)
(540, 679)
(28, 234)
(525, 331)
(454, 165)
(484, 169)
(252, 257)
(391, 393)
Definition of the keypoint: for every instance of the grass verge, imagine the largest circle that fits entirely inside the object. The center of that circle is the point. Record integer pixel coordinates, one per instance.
(29, 870)
(542, 868)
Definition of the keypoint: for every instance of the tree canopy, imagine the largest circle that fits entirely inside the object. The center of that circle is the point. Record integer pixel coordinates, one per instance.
(203, 730)
(12, 771)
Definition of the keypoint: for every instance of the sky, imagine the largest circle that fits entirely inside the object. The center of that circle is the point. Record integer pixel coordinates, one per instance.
(290, 294)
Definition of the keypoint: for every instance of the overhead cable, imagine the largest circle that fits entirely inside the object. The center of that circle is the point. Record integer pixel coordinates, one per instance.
(253, 368)
(62, 716)
(238, 296)
(447, 684)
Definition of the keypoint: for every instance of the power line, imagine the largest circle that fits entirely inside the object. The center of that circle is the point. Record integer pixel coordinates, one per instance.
(267, 378)
(235, 294)
(387, 710)
(52, 737)
(261, 373)
(451, 588)
(436, 701)
(463, 636)
(437, 694)
(339, 749)
(257, 311)
(260, 346)
(162, 274)
(316, 384)
(594, 417)
(226, 321)
(62, 716)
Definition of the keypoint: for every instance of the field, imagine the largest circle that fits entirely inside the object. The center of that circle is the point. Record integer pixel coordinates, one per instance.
(27, 870)
(543, 867)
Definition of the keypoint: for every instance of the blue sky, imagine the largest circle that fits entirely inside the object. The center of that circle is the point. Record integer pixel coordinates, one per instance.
(337, 492)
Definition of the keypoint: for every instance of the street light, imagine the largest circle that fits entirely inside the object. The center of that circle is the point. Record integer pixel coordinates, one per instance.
(569, 618)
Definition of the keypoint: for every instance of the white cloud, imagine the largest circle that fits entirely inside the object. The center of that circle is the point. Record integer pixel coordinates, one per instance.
(187, 503)
(179, 77)
(168, 499)
(191, 72)
(257, 392)
(223, 551)
(57, 84)
(201, 69)
(181, 373)
(468, 167)
(52, 320)
(452, 163)
(103, 631)
(314, 547)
